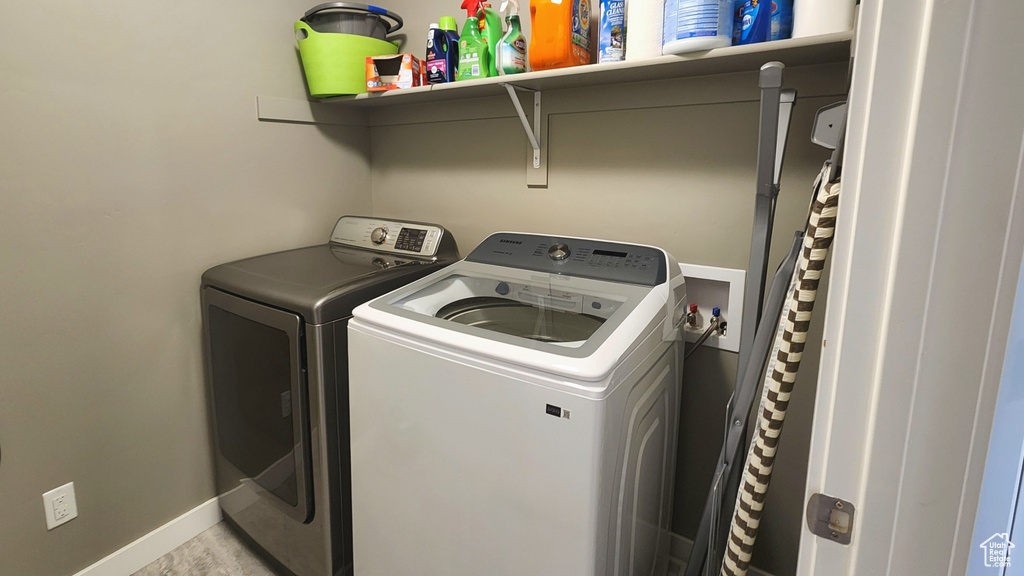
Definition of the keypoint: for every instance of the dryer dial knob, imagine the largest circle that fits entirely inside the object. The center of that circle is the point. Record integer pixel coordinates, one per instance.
(379, 235)
(559, 252)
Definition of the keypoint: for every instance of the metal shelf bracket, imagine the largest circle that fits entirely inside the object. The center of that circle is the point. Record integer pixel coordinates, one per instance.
(532, 133)
(536, 171)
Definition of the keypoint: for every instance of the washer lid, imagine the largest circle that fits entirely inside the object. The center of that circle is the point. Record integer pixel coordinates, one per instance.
(557, 314)
(572, 307)
(573, 327)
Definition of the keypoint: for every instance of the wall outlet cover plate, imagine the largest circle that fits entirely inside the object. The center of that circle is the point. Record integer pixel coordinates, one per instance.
(59, 505)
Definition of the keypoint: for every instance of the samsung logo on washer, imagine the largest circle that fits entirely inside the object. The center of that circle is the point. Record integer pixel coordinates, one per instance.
(507, 241)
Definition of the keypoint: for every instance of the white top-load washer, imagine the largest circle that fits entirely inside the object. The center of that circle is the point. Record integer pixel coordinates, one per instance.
(516, 413)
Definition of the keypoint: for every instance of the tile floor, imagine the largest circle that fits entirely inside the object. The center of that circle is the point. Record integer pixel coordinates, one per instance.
(219, 552)
(215, 552)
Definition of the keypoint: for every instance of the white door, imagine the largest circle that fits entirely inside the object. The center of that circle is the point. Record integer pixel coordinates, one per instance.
(924, 272)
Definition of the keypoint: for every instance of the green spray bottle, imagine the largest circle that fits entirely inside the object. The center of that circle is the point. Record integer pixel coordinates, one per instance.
(511, 53)
(474, 54)
(492, 32)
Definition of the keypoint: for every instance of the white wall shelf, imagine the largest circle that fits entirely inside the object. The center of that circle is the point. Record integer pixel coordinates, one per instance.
(373, 108)
(793, 52)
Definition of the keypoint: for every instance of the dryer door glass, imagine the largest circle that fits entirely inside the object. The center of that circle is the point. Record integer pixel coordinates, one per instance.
(259, 398)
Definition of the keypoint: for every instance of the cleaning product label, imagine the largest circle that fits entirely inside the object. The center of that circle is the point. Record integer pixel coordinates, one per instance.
(513, 56)
(581, 29)
(471, 64)
(693, 19)
(755, 20)
(437, 71)
(613, 31)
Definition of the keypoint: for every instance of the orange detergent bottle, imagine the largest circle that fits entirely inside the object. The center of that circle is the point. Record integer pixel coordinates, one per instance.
(560, 33)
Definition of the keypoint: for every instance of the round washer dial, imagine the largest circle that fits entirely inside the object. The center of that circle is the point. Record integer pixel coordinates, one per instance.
(559, 252)
(379, 235)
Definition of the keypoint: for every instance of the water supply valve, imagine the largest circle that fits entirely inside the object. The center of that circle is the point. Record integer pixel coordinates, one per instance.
(693, 320)
(716, 316)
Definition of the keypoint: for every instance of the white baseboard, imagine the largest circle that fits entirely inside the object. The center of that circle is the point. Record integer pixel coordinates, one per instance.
(680, 551)
(145, 550)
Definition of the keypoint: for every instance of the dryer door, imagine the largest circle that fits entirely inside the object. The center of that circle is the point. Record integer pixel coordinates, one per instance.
(256, 369)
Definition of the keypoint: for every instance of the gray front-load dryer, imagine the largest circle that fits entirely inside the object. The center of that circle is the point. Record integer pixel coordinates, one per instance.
(275, 331)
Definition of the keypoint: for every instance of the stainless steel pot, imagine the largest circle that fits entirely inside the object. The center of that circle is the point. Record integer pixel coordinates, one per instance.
(352, 18)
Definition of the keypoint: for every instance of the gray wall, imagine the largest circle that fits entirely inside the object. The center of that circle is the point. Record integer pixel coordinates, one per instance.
(667, 163)
(130, 161)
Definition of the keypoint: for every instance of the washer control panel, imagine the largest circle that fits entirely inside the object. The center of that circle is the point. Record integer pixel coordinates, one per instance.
(596, 259)
(388, 235)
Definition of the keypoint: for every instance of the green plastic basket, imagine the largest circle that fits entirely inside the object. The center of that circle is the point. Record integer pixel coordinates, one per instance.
(335, 64)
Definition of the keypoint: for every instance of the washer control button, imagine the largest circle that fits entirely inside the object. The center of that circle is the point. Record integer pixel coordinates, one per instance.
(379, 235)
(559, 252)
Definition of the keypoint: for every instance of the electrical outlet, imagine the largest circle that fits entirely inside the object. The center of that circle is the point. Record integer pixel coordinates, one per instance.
(59, 505)
(709, 288)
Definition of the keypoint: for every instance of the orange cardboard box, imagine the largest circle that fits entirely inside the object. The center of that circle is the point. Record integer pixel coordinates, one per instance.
(394, 72)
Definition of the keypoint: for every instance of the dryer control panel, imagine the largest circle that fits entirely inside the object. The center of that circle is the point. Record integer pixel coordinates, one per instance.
(610, 261)
(392, 236)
